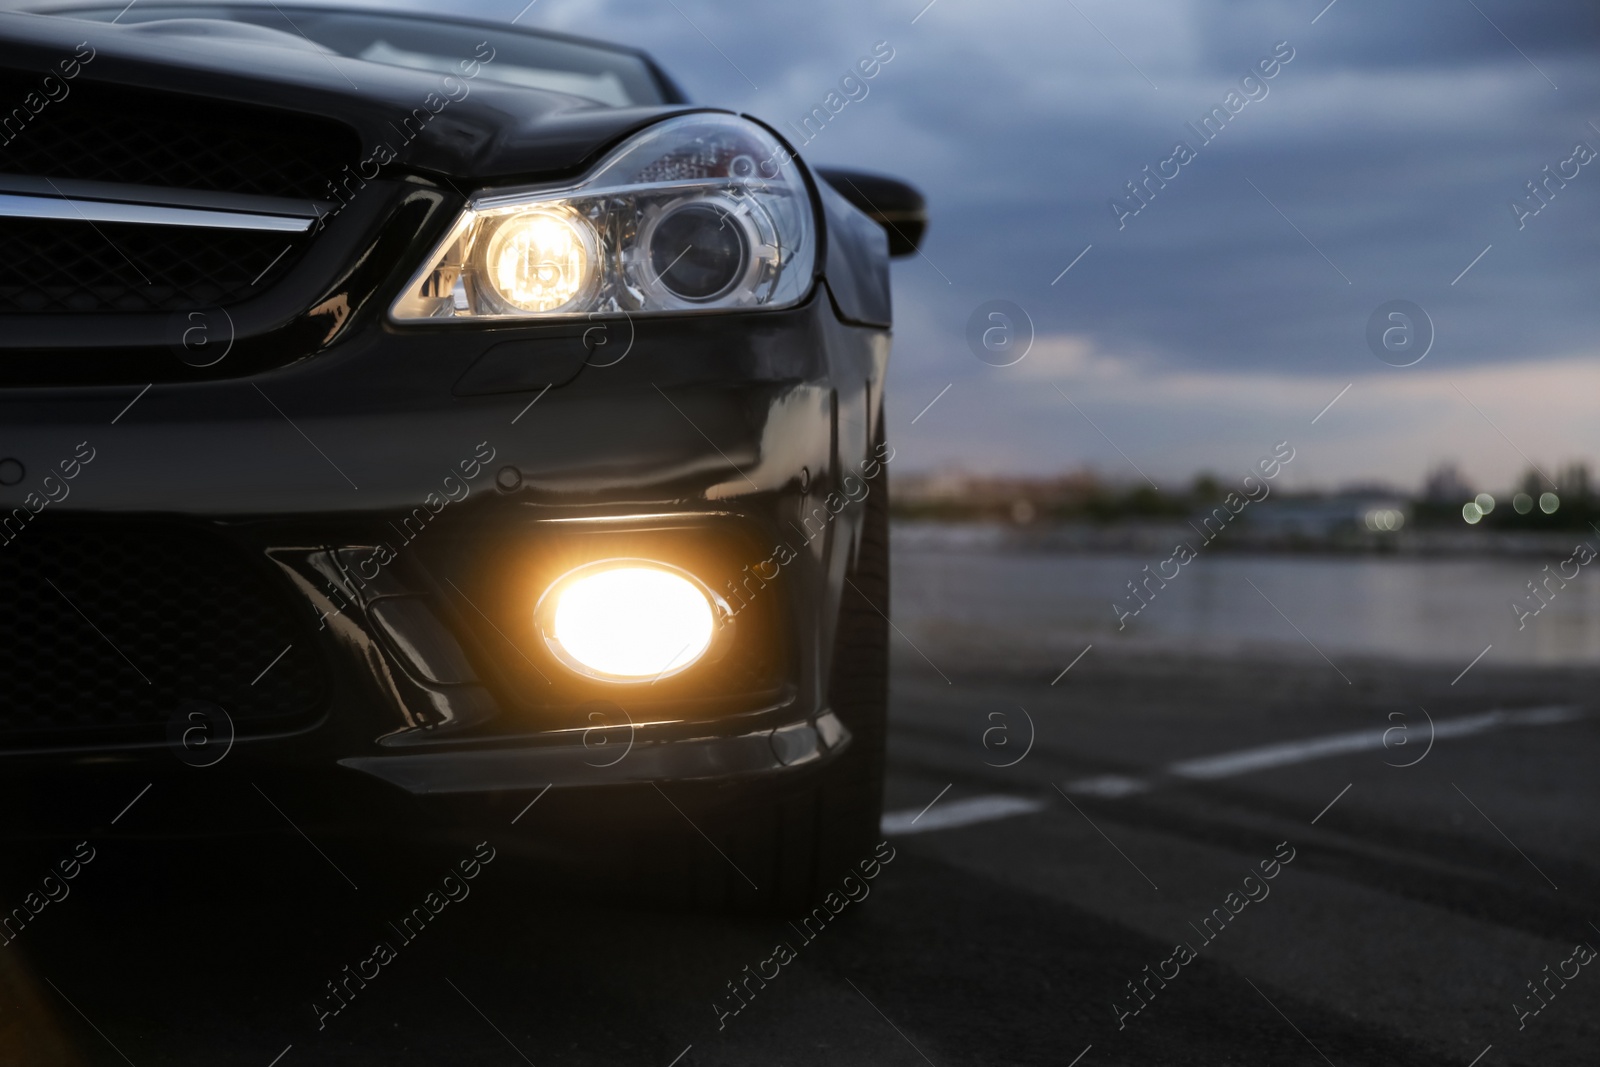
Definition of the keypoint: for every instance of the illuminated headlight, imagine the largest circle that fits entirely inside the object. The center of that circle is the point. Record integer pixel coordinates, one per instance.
(629, 620)
(697, 213)
(540, 260)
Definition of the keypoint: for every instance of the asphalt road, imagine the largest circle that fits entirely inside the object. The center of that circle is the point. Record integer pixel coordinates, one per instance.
(1017, 908)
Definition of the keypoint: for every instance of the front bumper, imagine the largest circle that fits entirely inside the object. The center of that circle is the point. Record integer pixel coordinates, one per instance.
(720, 436)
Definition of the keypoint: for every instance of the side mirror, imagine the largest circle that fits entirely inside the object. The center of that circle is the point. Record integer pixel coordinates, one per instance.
(891, 203)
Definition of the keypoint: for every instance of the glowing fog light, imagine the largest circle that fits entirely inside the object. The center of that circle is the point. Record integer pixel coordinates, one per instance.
(628, 620)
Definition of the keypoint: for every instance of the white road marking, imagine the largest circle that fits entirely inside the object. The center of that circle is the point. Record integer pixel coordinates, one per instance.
(956, 813)
(1229, 764)
(1109, 785)
(1286, 753)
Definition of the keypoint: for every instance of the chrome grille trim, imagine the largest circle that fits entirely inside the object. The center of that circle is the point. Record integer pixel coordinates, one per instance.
(13, 205)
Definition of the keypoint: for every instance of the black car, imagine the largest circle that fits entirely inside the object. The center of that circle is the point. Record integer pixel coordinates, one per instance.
(404, 417)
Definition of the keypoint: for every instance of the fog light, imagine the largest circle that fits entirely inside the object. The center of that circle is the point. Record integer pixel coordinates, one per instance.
(628, 620)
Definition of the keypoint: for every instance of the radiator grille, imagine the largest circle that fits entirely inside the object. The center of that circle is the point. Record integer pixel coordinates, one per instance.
(112, 133)
(49, 266)
(112, 626)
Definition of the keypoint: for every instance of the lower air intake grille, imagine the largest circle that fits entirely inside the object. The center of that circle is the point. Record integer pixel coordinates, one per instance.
(113, 626)
(49, 266)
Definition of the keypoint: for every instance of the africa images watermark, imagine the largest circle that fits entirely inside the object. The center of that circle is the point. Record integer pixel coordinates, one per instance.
(52, 89)
(451, 889)
(455, 489)
(33, 503)
(1582, 955)
(54, 889)
(783, 953)
(1582, 554)
(1253, 87)
(1231, 507)
(1543, 190)
(740, 596)
(1255, 890)
(854, 88)
(347, 183)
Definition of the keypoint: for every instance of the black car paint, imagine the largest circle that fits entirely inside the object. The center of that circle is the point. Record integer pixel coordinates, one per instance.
(745, 421)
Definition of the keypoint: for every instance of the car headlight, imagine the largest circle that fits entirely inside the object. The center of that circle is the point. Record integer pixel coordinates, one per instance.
(701, 212)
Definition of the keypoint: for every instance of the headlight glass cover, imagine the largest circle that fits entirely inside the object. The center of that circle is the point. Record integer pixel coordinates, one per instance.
(698, 213)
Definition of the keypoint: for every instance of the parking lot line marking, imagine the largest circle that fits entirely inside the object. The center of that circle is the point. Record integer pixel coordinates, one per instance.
(1331, 803)
(679, 1056)
(1079, 1056)
(1480, 1056)
(1109, 785)
(1244, 761)
(1110, 842)
(1502, 833)
(279, 1056)
(964, 812)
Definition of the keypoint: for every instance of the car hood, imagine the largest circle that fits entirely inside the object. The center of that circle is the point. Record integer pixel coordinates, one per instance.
(491, 133)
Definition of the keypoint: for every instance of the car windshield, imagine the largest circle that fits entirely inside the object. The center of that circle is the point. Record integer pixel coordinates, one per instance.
(608, 76)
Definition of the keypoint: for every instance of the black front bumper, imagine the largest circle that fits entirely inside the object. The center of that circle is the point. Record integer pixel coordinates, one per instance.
(405, 504)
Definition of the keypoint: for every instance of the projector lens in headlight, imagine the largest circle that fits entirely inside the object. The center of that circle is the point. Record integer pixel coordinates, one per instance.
(698, 250)
(540, 260)
(628, 621)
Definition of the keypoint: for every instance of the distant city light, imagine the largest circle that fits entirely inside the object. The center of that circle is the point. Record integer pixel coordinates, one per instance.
(1472, 513)
(1548, 502)
(1384, 519)
(1485, 502)
(1523, 503)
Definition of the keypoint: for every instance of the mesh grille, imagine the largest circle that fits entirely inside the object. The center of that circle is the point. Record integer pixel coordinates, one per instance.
(115, 134)
(130, 601)
(49, 266)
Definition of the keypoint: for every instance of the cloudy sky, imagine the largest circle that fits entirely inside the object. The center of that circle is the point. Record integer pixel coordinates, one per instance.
(1377, 164)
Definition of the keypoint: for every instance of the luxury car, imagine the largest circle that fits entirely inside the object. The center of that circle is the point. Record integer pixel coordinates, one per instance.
(403, 418)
